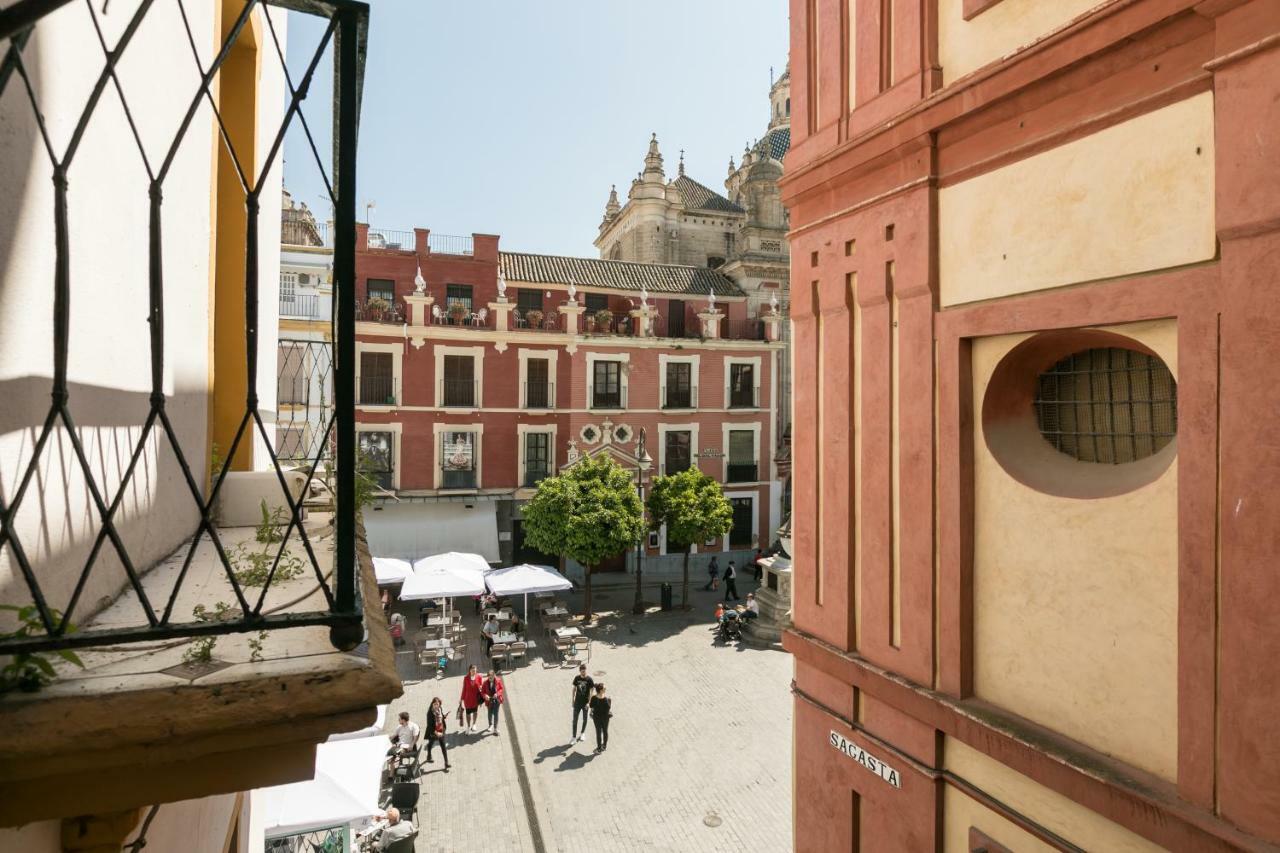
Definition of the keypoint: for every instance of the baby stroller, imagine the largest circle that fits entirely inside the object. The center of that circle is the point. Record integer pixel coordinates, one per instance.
(730, 627)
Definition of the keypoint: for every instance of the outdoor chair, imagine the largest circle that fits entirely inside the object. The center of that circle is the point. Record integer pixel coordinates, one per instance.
(564, 648)
(458, 652)
(554, 625)
(499, 652)
(404, 845)
(517, 650)
(404, 796)
(581, 645)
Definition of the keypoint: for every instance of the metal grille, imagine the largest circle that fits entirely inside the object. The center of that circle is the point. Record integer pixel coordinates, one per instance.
(304, 395)
(346, 31)
(1108, 405)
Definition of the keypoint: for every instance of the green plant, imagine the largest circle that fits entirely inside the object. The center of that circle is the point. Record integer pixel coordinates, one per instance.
(459, 310)
(255, 647)
(29, 671)
(216, 462)
(252, 568)
(603, 318)
(694, 509)
(377, 303)
(200, 651)
(269, 528)
(589, 513)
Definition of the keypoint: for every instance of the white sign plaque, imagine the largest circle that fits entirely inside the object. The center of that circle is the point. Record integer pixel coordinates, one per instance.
(866, 759)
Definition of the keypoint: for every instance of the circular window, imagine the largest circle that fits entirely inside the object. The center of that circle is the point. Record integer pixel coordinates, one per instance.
(589, 434)
(622, 433)
(1081, 413)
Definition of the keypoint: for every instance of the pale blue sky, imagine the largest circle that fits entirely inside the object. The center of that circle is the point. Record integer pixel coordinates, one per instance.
(514, 116)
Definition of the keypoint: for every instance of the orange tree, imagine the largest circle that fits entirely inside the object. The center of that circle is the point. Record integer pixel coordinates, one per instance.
(694, 509)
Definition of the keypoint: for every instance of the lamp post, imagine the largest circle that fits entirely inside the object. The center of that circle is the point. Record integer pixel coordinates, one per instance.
(643, 462)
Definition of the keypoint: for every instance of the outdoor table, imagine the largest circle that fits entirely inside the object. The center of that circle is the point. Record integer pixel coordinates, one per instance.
(437, 644)
(566, 633)
(557, 610)
(437, 621)
(506, 638)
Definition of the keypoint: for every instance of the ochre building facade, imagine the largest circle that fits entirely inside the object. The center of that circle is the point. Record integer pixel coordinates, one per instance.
(1035, 250)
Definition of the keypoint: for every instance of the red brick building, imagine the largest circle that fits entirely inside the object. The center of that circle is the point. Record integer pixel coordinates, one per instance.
(1034, 261)
(467, 396)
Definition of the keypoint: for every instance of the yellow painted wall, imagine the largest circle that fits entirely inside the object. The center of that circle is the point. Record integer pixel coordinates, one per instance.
(1075, 601)
(1050, 810)
(965, 46)
(1134, 197)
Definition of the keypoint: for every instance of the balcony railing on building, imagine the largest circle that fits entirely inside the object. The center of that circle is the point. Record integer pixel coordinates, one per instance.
(449, 244)
(606, 323)
(305, 306)
(539, 395)
(605, 398)
(379, 310)
(680, 398)
(744, 398)
(536, 321)
(535, 474)
(458, 478)
(741, 472)
(384, 238)
(462, 318)
(377, 391)
(459, 393)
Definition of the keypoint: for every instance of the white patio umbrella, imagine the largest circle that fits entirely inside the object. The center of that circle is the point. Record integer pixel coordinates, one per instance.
(524, 579)
(446, 576)
(389, 570)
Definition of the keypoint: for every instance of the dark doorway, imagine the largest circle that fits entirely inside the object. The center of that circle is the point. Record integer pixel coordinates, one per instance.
(526, 553)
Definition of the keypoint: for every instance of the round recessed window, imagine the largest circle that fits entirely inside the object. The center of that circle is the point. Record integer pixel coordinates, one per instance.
(1081, 413)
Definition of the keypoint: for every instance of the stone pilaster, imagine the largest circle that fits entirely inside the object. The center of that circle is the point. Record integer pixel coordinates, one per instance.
(711, 323)
(419, 308)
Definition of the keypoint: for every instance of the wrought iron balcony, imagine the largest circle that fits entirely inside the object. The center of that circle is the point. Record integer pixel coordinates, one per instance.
(459, 393)
(601, 398)
(378, 391)
(450, 244)
(305, 306)
(680, 398)
(458, 479)
(744, 398)
(539, 395)
(741, 472)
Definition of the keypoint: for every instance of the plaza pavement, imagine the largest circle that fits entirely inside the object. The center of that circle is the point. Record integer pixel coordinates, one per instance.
(701, 735)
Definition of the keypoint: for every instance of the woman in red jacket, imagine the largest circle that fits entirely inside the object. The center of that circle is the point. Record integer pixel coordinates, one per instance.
(471, 685)
(493, 693)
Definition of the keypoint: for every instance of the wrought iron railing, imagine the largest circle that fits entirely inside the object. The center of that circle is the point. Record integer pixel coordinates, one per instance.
(346, 32)
(741, 472)
(455, 478)
(680, 398)
(450, 244)
(381, 312)
(540, 322)
(304, 399)
(606, 398)
(377, 391)
(461, 393)
(539, 395)
(384, 238)
(303, 305)
(744, 398)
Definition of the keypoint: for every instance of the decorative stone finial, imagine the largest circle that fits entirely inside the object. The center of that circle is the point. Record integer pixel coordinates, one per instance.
(711, 300)
(419, 283)
(573, 291)
(732, 168)
(612, 208)
(502, 284)
(681, 168)
(644, 297)
(653, 160)
(773, 302)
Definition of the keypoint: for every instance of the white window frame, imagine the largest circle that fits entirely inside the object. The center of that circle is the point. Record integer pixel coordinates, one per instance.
(663, 429)
(694, 381)
(437, 477)
(397, 460)
(477, 355)
(754, 494)
(592, 358)
(521, 431)
(397, 371)
(756, 373)
(725, 429)
(524, 355)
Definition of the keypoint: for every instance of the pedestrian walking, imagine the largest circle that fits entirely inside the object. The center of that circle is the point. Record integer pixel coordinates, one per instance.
(437, 723)
(730, 582)
(493, 694)
(470, 702)
(601, 711)
(583, 685)
(713, 575)
(756, 566)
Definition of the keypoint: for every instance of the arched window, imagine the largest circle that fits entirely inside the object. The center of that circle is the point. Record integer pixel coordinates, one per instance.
(788, 106)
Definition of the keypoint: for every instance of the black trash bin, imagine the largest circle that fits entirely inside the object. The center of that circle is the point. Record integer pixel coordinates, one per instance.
(666, 596)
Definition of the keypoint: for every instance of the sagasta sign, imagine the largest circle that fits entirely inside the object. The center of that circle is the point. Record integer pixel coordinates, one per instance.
(866, 759)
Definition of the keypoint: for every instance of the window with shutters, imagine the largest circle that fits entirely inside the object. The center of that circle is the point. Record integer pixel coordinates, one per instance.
(675, 319)
(742, 456)
(678, 452)
(606, 388)
(538, 390)
(742, 535)
(459, 381)
(679, 388)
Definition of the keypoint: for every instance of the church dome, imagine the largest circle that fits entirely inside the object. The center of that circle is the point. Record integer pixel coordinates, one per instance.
(775, 143)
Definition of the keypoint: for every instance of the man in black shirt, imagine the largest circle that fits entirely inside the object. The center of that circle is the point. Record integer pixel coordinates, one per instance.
(583, 686)
(730, 582)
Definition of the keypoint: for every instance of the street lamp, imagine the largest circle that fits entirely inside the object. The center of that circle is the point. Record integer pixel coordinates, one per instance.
(643, 462)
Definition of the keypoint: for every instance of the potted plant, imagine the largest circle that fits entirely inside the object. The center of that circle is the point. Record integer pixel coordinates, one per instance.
(377, 307)
(458, 312)
(603, 319)
(533, 317)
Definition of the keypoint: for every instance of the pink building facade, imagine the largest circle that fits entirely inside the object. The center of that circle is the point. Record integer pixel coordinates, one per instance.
(480, 372)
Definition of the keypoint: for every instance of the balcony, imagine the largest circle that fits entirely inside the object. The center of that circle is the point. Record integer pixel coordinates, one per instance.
(450, 244)
(461, 319)
(300, 306)
(395, 241)
(535, 475)
(606, 323)
(539, 395)
(377, 310)
(458, 479)
(536, 321)
(606, 399)
(741, 472)
(378, 391)
(459, 393)
(679, 398)
(744, 398)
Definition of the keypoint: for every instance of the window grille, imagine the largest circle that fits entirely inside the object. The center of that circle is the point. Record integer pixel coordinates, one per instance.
(1108, 405)
(346, 34)
(678, 453)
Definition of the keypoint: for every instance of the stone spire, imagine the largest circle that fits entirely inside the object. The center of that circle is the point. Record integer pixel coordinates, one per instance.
(612, 208)
(653, 161)
(732, 168)
(681, 168)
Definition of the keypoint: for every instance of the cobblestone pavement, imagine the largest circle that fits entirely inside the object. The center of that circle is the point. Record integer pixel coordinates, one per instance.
(701, 735)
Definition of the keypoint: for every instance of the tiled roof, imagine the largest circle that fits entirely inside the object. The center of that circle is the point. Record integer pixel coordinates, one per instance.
(776, 142)
(698, 197)
(620, 275)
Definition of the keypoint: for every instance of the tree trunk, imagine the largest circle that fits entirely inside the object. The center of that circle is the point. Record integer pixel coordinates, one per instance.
(588, 604)
(684, 587)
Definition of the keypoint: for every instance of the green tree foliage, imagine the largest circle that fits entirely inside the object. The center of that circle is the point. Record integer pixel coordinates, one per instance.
(589, 513)
(694, 509)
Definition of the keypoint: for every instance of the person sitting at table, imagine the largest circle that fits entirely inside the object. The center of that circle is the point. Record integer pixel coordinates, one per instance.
(488, 631)
(516, 627)
(752, 609)
(405, 737)
(397, 829)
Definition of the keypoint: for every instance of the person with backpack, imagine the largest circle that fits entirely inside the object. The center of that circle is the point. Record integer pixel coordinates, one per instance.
(437, 723)
(493, 694)
(583, 685)
(601, 712)
(730, 582)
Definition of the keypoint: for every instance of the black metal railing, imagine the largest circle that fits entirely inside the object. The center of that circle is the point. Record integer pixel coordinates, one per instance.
(680, 398)
(458, 479)
(606, 323)
(380, 311)
(450, 244)
(535, 475)
(461, 393)
(540, 322)
(384, 238)
(378, 391)
(304, 305)
(741, 472)
(598, 398)
(742, 330)
(539, 395)
(744, 398)
(71, 291)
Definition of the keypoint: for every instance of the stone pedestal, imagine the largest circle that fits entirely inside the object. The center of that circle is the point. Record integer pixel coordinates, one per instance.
(772, 325)
(572, 313)
(774, 597)
(642, 321)
(419, 308)
(711, 323)
(501, 311)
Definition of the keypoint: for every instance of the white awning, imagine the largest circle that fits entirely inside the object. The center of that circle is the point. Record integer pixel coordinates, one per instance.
(391, 570)
(413, 530)
(526, 578)
(344, 790)
(441, 583)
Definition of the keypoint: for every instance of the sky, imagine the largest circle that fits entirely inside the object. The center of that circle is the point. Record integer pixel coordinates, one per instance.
(514, 117)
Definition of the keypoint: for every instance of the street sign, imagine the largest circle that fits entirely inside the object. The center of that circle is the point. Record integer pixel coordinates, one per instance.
(710, 453)
(866, 759)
